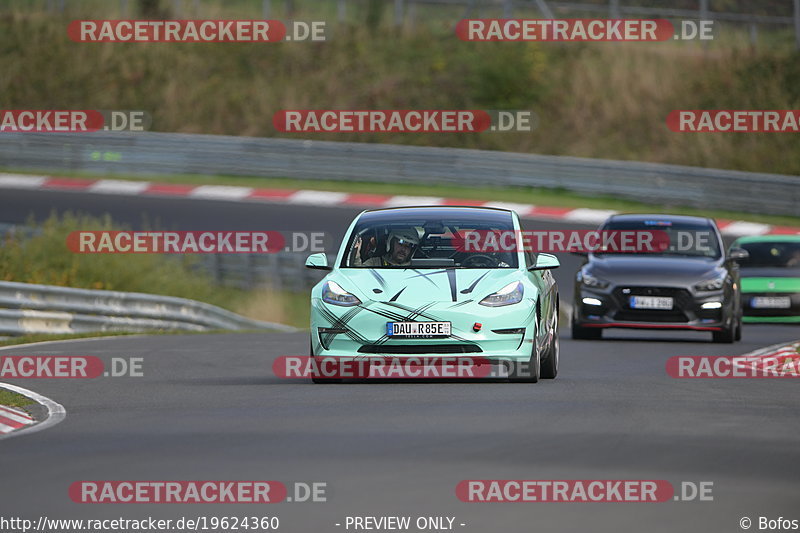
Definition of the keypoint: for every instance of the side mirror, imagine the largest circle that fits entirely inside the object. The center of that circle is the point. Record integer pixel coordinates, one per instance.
(545, 262)
(738, 254)
(318, 261)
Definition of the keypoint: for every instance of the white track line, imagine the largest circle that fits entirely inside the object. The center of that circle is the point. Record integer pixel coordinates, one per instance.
(55, 411)
(119, 187)
(21, 181)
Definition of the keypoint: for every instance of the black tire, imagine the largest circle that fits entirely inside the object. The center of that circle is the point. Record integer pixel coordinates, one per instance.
(738, 335)
(522, 373)
(725, 335)
(549, 364)
(584, 334)
(321, 381)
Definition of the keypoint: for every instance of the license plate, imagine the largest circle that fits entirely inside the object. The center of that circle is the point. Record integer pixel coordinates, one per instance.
(771, 302)
(651, 302)
(421, 330)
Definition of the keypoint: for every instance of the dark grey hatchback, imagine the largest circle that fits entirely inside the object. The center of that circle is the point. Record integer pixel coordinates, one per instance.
(691, 284)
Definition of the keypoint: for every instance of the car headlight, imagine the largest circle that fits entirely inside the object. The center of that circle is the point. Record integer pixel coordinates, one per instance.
(332, 293)
(591, 281)
(713, 284)
(510, 294)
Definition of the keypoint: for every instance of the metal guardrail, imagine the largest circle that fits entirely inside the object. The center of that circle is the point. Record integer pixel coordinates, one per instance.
(27, 308)
(282, 271)
(150, 153)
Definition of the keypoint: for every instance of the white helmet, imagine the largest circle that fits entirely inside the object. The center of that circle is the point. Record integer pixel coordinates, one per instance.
(403, 235)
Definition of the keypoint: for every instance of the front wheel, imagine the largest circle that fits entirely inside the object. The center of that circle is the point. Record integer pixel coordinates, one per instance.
(584, 334)
(725, 336)
(549, 368)
(738, 335)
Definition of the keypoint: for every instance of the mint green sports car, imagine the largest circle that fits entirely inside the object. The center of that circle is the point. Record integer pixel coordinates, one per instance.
(771, 278)
(403, 285)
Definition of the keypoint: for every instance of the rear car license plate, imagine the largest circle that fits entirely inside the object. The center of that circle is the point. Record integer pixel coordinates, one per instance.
(418, 330)
(651, 302)
(771, 302)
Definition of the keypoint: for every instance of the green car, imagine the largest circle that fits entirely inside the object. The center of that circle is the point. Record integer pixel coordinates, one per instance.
(403, 287)
(771, 278)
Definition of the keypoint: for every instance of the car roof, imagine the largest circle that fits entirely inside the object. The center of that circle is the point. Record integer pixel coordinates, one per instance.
(466, 213)
(640, 217)
(455, 208)
(768, 238)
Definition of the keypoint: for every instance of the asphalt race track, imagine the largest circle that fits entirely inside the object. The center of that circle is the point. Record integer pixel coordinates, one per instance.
(208, 407)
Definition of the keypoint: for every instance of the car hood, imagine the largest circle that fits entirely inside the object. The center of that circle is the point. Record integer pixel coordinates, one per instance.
(648, 270)
(770, 272)
(416, 286)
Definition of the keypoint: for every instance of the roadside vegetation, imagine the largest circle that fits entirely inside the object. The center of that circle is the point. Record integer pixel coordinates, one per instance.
(12, 399)
(43, 257)
(606, 100)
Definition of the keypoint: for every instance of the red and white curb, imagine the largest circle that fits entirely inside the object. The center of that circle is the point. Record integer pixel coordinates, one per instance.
(13, 419)
(14, 422)
(228, 193)
(782, 353)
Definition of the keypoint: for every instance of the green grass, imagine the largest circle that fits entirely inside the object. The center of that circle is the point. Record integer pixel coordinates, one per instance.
(12, 399)
(27, 339)
(604, 100)
(45, 259)
(298, 315)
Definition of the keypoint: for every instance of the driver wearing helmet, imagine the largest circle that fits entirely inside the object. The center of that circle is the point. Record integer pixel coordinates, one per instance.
(400, 246)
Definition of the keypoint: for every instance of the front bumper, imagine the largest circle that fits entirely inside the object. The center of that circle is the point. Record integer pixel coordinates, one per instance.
(506, 333)
(614, 310)
(755, 314)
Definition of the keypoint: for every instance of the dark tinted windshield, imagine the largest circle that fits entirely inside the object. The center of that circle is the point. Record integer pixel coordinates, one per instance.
(685, 239)
(772, 254)
(425, 238)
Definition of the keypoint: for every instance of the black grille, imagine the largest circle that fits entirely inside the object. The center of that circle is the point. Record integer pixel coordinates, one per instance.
(682, 300)
(419, 348)
(650, 315)
(761, 311)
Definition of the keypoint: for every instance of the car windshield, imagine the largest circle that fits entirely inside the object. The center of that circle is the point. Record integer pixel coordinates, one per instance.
(425, 238)
(774, 254)
(685, 238)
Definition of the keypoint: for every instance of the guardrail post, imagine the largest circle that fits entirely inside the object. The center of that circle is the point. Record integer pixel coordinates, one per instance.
(217, 266)
(249, 265)
(508, 9)
(613, 9)
(797, 24)
(398, 13)
(545, 9)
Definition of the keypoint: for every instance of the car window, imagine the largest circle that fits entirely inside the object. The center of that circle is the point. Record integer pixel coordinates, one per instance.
(771, 254)
(430, 242)
(685, 239)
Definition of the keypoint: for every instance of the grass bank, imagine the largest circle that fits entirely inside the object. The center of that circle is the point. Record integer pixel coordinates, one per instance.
(606, 100)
